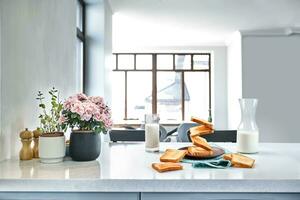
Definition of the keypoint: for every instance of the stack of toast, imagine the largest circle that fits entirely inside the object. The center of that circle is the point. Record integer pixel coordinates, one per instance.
(169, 161)
(201, 147)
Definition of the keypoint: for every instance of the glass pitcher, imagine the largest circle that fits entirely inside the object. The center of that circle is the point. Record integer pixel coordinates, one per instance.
(247, 132)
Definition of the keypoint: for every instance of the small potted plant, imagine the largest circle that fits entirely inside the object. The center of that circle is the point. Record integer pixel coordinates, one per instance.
(52, 140)
(87, 117)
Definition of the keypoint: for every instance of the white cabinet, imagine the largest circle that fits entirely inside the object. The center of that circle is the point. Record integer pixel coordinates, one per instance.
(145, 196)
(220, 196)
(68, 195)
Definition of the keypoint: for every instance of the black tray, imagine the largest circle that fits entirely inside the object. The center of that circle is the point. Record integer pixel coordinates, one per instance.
(217, 152)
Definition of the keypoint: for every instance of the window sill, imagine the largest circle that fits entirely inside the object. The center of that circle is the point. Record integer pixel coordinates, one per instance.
(138, 123)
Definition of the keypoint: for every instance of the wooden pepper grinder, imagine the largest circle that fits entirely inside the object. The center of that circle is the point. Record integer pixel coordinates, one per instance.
(26, 139)
(36, 134)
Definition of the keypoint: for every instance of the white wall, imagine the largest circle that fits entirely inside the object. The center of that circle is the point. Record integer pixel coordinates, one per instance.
(99, 48)
(219, 75)
(38, 51)
(234, 79)
(1, 138)
(271, 74)
(108, 53)
(219, 106)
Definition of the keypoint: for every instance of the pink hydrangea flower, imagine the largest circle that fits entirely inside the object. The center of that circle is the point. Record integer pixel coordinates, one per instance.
(67, 104)
(107, 123)
(86, 117)
(77, 108)
(90, 109)
(96, 100)
(70, 102)
(81, 97)
(98, 117)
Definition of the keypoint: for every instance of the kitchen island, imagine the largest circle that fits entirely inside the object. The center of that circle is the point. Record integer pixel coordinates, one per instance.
(123, 171)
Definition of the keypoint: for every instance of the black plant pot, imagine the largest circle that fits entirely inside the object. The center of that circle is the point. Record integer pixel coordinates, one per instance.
(84, 145)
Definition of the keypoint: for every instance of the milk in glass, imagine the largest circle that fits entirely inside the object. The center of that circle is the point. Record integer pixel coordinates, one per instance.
(247, 141)
(247, 132)
(151, 133)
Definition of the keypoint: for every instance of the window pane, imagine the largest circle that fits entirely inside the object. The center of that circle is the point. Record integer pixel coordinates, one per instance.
(183, 61)
(139, 94)
(125, 62)
(118, 96)
(198, 91)
(79, 15)
(79, 64)
(164, 61)
(201, 61)
(144, 61)
(169, 96)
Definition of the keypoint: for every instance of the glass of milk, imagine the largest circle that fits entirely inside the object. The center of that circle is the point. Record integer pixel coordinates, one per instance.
(151, 132)
(247, 132)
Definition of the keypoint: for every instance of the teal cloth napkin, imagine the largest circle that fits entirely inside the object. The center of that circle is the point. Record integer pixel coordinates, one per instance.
(217, 162)
(209, 163)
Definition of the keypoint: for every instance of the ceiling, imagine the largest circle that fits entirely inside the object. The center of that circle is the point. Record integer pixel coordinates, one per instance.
(139, 23)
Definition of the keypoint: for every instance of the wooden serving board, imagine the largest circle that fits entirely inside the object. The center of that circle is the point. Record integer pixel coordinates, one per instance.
(217, 152)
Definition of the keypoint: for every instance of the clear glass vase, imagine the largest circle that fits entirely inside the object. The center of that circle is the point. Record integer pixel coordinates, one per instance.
(247, 132)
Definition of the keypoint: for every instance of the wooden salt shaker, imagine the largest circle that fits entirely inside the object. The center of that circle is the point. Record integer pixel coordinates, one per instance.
(26, 139)
(36, 135)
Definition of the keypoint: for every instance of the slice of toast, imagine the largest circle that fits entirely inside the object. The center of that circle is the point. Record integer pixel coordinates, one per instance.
(200, 130)
(164, 167)
(242, 161)
(173, 155)
(202, 121)
(239, 166)
(201, 142)
(199, 152)
(239, 160)
(227, 156)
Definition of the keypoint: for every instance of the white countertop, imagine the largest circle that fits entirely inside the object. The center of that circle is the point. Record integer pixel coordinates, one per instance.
(127, 168)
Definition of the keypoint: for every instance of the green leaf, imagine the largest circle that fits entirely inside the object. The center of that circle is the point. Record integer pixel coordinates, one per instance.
(60, 106)
(54, 104)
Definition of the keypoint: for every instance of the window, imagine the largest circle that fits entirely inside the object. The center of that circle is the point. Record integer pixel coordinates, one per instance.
(174, 85)
(80, 42)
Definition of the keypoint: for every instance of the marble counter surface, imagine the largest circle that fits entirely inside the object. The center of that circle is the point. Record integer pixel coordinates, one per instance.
(127, 168)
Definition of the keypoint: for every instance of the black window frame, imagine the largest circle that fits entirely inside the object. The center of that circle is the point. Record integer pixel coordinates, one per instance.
(81, 35)
(154, 71)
